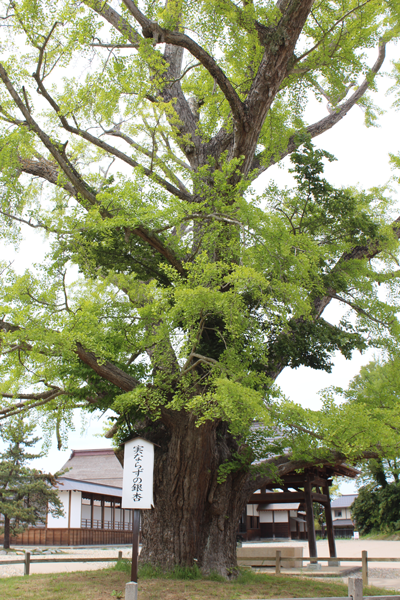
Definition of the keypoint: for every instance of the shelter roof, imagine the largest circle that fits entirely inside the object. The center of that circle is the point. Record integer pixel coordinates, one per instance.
(96, 466)
(272, 506)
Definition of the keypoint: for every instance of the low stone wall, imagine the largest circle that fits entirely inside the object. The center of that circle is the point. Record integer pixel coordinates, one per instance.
(264, 556)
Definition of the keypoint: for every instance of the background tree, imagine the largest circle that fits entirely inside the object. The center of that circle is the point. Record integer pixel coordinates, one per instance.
(132, 134)
(377, 509)
(377, 389)
(26, 494)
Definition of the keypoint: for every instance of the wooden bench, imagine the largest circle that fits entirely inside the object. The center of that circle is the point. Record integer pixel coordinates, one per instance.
(265, 556)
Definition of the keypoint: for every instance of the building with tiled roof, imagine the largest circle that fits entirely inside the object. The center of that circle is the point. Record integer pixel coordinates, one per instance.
(341, 515)
(90, 490)
(97, 466)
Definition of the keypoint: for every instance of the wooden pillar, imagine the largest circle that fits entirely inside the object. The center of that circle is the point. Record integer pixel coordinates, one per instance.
(135, 544)
(329, 525)
(102, 512)
(123, 517)
(113, 514)
(91, 511)
(312, 542)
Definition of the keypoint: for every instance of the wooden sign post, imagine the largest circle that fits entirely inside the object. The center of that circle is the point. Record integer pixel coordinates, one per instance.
(137, 493)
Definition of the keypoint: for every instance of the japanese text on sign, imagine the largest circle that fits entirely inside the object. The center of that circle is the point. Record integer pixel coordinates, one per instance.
(137, 482)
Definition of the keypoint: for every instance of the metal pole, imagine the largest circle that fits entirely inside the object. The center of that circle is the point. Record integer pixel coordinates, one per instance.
(135, 544)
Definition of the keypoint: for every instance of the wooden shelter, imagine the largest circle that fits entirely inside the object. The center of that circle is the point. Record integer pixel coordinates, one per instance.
(309, 486)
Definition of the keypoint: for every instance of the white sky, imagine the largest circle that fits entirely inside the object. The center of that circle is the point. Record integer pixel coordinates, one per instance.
(363, 160)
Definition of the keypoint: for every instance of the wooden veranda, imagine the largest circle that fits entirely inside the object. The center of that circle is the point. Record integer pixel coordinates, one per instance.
(44, 536)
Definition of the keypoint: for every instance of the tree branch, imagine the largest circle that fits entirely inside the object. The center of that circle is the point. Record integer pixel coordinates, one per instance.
(367, 252)
(45, 169)
(324, 124)
(107, 147)
(79, 184)
(331, 29)
(152, 30)
(116, 20)
(48, 171)
(16, 409)
(105, 369)
(116, 132)
(358, 309)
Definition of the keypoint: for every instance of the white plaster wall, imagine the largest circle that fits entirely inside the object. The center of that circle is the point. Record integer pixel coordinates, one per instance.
(252, 510)
(281, 516)
(346, 513)
(61, 522)
(76, 507)
(85, 511)
(266, 516)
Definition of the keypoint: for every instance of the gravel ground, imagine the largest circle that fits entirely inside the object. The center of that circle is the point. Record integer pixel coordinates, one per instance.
(384, 574)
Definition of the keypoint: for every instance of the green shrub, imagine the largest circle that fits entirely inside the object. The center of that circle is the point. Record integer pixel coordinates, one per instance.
(377, 509)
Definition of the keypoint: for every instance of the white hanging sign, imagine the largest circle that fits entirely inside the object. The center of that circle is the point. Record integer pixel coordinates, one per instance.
(137, 487)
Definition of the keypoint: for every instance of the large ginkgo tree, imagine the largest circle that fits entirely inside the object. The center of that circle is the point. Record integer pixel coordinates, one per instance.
(176, 288)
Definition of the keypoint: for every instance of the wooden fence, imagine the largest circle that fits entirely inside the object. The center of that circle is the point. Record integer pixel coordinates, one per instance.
(279, 559)
(45, 536)
(27, 560)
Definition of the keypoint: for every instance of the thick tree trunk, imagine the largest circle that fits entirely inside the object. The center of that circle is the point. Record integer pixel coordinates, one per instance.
(195, 518)
(6, 543)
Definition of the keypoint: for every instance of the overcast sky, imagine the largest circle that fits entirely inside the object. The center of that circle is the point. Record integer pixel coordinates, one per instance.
(363, 160)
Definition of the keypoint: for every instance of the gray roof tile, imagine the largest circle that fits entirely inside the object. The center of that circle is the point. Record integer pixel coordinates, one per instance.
(344, 501)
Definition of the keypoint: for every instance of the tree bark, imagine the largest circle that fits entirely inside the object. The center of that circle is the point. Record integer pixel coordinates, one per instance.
(6, 543)
(195, 518)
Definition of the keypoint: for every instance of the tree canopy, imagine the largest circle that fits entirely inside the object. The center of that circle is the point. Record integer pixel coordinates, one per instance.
(176, 288)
